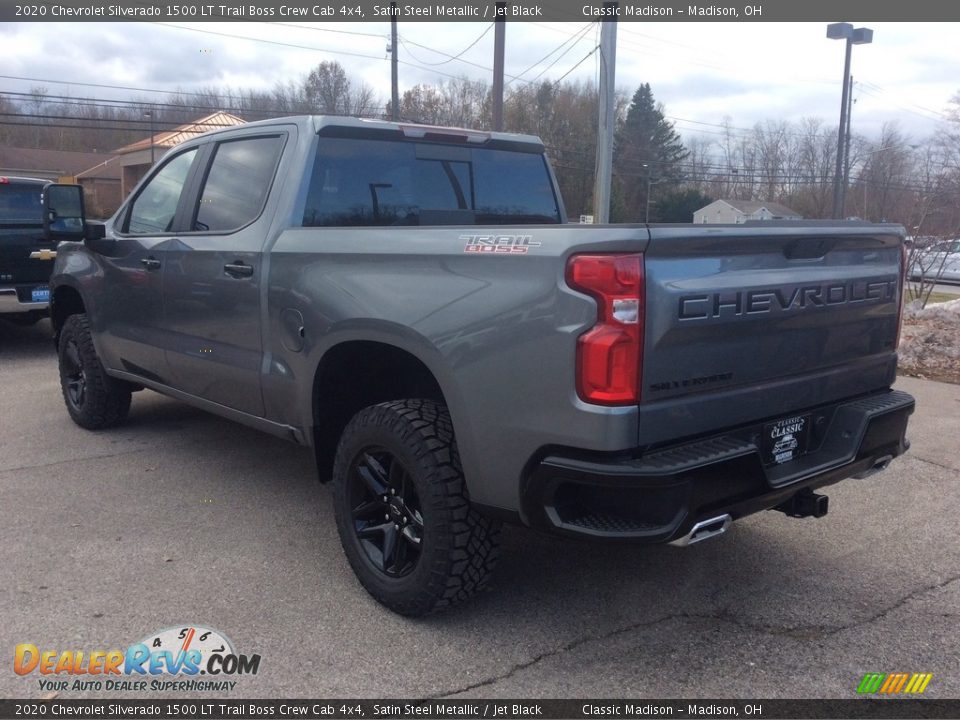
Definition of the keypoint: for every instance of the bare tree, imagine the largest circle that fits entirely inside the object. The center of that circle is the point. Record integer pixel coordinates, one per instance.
(327, 89)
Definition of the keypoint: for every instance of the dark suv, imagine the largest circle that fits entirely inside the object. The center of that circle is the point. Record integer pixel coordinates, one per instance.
(26, 258)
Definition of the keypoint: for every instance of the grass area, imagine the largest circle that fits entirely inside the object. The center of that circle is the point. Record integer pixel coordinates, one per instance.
(936, 297)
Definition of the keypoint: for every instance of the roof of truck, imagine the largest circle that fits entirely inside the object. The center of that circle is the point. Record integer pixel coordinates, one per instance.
(410, 128)
(12, 180)
(331, 123)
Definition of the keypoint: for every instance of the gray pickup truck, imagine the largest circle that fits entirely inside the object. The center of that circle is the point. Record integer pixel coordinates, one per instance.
(410, 302)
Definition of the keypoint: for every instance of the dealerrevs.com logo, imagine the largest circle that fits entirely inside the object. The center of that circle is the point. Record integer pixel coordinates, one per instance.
(169, 660)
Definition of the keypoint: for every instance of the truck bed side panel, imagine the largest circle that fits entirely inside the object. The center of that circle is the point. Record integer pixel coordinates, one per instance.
(498, 331)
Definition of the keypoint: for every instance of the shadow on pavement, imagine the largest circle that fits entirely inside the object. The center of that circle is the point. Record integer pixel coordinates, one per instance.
(18, 341)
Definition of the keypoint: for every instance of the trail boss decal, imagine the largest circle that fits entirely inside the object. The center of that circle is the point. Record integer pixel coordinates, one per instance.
(499, 244)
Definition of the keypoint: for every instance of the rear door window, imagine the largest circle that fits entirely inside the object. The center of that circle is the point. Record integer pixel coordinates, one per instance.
(237, 183)
(385, 182)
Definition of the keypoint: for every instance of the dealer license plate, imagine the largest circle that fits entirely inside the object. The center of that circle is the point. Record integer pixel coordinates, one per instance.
(785, 440)
(40, 294)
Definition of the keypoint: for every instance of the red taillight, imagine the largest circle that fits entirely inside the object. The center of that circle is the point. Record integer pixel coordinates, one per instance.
(609, 354)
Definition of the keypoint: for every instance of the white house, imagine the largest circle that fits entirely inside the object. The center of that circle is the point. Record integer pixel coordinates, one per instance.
(740, 211)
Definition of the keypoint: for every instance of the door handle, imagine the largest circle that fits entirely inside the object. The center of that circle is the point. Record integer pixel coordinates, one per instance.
(150, 263)
(238, 270)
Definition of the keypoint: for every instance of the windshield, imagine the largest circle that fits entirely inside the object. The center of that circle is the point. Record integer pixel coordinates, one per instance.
(387, 182)
(21, 204)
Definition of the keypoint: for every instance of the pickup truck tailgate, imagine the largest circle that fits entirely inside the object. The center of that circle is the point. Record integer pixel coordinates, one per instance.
(740, 305)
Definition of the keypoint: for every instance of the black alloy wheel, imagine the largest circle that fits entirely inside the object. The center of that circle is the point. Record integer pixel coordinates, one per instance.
(386, 512)
(74, 377)
(403, 511)
(94, 399)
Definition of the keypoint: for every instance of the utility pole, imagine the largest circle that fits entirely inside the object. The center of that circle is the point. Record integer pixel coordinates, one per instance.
(846, 153)
(394, 79)
(608, 62)
(646, 215)
(499, 33)
(149, 114)
(838, 176)
(851, 37)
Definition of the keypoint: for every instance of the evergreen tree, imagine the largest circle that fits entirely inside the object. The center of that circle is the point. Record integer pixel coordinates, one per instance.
(648, 151)
(678, 206)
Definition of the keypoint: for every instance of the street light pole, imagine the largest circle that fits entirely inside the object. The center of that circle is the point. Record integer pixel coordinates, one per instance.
(858, 36)
(846, 150)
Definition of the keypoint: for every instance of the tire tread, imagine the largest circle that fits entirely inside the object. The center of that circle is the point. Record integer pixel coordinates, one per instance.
(471, 540)
(107, 399)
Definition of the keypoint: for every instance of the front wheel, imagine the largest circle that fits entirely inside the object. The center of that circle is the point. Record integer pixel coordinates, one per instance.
(404, 518)
(94, 399)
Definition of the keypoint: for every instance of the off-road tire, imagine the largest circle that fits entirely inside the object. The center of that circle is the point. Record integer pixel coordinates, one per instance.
(459, 546)
(104, 401)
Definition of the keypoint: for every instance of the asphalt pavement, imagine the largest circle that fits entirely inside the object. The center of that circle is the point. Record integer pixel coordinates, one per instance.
(180, 518)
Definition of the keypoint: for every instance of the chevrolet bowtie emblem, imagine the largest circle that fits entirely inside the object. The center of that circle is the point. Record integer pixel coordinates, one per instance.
(43, 254)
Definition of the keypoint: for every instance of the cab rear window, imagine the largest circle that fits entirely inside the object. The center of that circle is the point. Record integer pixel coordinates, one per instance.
(384, 182)
(20, 203)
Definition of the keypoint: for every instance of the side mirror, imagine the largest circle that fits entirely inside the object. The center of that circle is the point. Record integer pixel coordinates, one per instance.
(94, 230)
(63, 213)
(95, 238)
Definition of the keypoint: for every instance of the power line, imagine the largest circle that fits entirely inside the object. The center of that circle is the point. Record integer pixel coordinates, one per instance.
(583, 60)
(564, 54)
(271, 42)
(134, 105)
(575, 38)
(936, 113)
(106, 104)
(110, 87)
(403, 62)
(451, 58)
(875, 95)
(325, 29)
(801, 181)
(316, 49)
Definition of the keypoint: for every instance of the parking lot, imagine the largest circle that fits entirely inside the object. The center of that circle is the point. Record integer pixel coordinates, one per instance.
(179, 517)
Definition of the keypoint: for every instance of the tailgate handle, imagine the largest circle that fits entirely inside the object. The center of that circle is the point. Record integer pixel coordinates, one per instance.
(238, 270)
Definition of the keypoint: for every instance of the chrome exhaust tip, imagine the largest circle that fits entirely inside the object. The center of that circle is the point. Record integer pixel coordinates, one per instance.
(704, 530)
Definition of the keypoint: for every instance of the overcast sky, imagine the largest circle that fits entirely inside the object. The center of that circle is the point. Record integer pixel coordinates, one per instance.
(702, 72)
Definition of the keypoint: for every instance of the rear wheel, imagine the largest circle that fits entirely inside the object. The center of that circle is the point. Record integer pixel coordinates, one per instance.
(94, 399)
(405, 522)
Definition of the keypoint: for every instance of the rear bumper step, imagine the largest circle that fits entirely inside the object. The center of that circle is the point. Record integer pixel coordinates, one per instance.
(679, 493)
